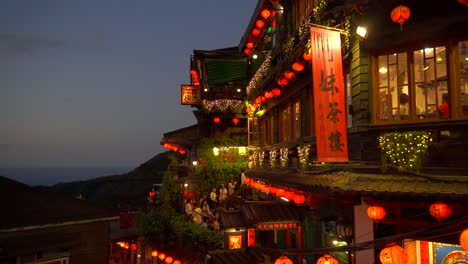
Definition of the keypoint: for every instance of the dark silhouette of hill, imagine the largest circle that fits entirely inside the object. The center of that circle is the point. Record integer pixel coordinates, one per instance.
(127, 191)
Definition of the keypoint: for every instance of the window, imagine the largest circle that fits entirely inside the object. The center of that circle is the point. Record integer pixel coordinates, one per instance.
(413, 85)
(297, 119)
(463, 79)
(285, 124)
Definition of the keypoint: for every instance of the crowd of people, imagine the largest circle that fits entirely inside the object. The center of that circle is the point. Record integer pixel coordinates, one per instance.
(204, 212)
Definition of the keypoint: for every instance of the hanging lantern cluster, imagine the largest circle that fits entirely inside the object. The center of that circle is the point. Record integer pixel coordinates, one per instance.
(174, 148)
(275, 92)
(296, 196)
(400, 14)
(195, 78)
(164, 258)
(260, 24)
(327, 259)
(376, 212)
(393, 254)
(440, 210)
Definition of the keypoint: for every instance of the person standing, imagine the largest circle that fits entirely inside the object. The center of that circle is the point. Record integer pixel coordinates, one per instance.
(213, 198)
(223, 193)
(232, 187)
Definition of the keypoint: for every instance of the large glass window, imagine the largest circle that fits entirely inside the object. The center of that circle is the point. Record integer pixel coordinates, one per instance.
(414, 85)
(286, 124)
(463, 55)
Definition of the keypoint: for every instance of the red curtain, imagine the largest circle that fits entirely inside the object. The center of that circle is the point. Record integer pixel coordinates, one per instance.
(329, 96)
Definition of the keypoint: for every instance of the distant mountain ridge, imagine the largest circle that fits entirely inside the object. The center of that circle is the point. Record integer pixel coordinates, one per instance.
(124, 192)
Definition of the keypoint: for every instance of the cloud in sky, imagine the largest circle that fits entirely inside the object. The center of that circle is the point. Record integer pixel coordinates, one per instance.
(14, 44)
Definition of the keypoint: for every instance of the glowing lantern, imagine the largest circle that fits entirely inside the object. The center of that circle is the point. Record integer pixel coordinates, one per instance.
(265, 13)
(400, 14)
(182, 151)
(248, 51)
(193, 72)
(256, 32)
(283, 82)
(440, 210)
(465, 3)
(376, 212)
(177, 262)
(327, 259)
(162, 256)
(464, 239)
(268, 95)
(393, 254)
(235, 120)
(260, 23)
(280, 192)
(216, 120)
(151, 194)
(154, 253)
(288, 195)
(276, 92)
(299, 199)
(298, 67)
(169, 260)
(289, 75)
(307, 56)
(249, 45)
(283, 260)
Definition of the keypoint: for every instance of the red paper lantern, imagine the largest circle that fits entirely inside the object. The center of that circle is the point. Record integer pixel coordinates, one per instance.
(327, 259)
(299, 199)
(298, 67)
(235, 120)
(154, 253)
(463, 2)
(256, 32)
(307, 56)
(440, 210)
(280, 192)
(283, 81)
(265, 13)
(289, 75)
(400, 14)
(182, 151)
(134, 247)
(276, 92)
(162, 256)
(260, 23)
(216, 120)
(151, 194)
(169, 260)
(268, 95)
(247, 51)
(249, 45)
(177, 262)
(393, 254)
(464, 240)
(283, 260)
(376, 212)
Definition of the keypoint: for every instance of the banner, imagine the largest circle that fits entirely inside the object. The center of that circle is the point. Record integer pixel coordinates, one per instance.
(190, 94)
(329, 95)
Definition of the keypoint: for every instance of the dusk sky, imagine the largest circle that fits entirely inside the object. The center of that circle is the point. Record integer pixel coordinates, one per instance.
(97, 82)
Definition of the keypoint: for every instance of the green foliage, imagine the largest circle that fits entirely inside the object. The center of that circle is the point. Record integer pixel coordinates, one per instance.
(404, 150)
(214, 170)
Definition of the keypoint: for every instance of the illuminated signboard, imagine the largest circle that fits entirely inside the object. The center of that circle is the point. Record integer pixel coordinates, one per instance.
(190, 94)
(273, 226)
(235, 241)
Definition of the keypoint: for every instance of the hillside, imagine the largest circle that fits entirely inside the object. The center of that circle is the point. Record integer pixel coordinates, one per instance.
(124, 192)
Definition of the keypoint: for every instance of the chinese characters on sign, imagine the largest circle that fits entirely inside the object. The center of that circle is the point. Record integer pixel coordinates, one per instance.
(272, 226)
(190, 94)
(329, 96)
(235, 241)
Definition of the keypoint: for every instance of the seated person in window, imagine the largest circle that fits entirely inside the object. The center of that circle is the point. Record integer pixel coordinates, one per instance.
(404, 100)
(444, 107)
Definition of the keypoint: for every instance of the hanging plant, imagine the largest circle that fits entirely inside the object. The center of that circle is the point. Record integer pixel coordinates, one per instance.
(284, 157)
(303, 152)
(404, 150)
(273, 158)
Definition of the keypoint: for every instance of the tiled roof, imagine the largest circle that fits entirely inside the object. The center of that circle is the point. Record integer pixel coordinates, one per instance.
(25, 206)
(254, 212)
(249, 255)
(349, 181)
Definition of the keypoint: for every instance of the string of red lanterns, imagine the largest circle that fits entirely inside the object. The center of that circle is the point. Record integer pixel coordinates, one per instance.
(195, 79)
(296, 196)
(174, 148)
(163, 257)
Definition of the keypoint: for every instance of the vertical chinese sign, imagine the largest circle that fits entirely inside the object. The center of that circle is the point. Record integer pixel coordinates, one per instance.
(329, 96)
